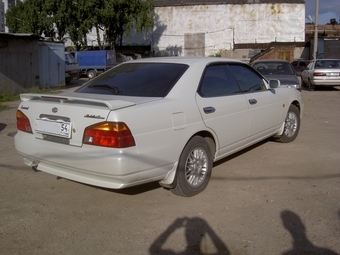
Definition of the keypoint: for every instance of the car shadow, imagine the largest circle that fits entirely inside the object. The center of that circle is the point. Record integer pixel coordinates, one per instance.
(135, 190)
(322, 88)
(138, 189)
(301, 245)
(2, 126)
(239, 153)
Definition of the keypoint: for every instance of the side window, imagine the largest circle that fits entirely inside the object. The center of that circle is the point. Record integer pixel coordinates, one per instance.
(247, 78)
(310, 65)
(218, 81)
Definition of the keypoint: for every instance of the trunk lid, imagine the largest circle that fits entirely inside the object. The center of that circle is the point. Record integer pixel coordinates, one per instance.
(62, 118)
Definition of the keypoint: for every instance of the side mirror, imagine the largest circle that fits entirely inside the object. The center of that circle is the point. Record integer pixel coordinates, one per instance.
(274, 84)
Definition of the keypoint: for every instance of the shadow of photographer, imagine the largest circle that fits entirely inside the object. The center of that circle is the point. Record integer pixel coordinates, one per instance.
(301, 245)
(197, 231)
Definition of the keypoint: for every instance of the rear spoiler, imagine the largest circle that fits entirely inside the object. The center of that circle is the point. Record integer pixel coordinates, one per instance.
(112, 104)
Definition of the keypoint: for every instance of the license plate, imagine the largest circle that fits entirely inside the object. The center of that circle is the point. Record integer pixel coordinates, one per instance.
(62, 129)
(333, 74)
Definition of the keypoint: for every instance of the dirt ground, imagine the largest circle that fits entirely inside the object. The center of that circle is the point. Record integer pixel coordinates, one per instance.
(270, 199)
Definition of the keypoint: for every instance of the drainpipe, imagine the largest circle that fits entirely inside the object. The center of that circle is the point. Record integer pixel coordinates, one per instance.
(315, 50)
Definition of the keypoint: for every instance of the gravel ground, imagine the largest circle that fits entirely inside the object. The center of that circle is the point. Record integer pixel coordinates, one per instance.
(270, 199)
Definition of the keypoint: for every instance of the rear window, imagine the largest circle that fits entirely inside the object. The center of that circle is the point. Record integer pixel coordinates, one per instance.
(274, 68)
(327, 64)
(136, 79)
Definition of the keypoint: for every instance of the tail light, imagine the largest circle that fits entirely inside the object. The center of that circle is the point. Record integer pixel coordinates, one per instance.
(23, 123)
(319, 74)
(109, 134)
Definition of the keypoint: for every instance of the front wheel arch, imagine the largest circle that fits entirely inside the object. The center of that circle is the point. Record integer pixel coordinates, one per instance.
(291, 125)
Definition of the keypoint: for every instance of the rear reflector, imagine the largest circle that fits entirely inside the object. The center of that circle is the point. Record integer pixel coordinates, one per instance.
(23, 123)
(109, 134)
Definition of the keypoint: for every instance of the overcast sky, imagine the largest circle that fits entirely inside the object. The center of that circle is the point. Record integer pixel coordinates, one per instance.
(328, 9)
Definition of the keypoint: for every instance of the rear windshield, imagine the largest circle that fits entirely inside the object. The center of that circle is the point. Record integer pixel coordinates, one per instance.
(327, 64)
(136, 79)
(274, 68)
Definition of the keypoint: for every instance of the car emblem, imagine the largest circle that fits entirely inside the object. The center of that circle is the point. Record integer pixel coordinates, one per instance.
(92, 116)
(54, 109)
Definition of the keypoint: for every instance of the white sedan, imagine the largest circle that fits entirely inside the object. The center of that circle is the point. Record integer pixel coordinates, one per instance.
(321, 72)
(156, 119)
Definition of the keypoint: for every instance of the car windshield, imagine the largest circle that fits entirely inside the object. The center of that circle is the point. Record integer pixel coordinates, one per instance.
(327, 64)
(136, 79)
(274, 68)
(69, 59)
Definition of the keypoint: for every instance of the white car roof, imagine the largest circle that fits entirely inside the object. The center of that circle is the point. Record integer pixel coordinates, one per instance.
(187, 60)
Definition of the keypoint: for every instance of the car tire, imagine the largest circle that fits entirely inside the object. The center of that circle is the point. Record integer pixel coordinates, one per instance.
(91, 74)
(311, 87)
(291, 125)
(194, 168)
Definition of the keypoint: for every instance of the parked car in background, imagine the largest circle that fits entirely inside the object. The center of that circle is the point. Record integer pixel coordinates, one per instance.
(321, 72)
(121, 58)
(278, 69)
(299, 65)
(133, 55)
(71, 68)
(155, 119)
(94, 62)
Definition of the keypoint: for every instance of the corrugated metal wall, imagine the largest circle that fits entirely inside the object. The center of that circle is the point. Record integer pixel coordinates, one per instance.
(52, 64)
(27, 63)
(19, 65)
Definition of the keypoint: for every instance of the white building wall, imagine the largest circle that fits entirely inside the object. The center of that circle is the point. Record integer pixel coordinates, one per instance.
(225, 25)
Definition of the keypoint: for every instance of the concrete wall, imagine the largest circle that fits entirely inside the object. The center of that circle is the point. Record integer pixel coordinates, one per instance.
(207, 29)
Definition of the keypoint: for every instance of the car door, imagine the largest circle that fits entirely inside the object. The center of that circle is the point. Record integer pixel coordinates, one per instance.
(306, 74)
(224, 108)
(265, 108)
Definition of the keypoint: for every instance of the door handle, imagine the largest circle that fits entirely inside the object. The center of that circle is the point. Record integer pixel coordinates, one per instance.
(252, 101)
(209, 109)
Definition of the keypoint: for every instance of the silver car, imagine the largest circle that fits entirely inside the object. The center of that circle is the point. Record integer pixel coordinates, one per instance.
(321, 72)
(278, 69)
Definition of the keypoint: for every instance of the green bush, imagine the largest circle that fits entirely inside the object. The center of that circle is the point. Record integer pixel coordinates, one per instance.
(8, 97)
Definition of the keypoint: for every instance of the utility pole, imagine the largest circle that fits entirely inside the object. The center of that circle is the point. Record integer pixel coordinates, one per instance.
(316, 37)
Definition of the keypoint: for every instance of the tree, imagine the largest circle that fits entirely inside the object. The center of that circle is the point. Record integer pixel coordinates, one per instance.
(80, 19)
(31, 16)
(122, 16)
(61, 18)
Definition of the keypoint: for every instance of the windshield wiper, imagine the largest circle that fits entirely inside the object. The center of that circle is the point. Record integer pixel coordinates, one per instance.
(113, 89)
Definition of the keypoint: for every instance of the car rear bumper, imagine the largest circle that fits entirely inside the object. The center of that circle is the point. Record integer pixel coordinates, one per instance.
(103, 167)
(324, 82)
